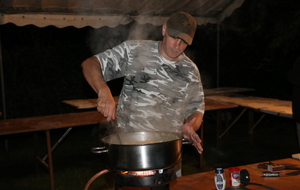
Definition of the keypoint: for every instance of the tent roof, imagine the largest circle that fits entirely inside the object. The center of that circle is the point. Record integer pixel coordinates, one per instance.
(98, 13)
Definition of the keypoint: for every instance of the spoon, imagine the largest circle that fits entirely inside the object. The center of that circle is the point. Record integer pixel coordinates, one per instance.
(116, 126)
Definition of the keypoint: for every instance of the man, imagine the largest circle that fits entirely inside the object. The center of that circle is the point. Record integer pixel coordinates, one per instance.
(162, 89)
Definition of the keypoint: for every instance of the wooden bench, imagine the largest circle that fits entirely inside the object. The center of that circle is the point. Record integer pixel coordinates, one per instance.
(47, 123)
(43, 123)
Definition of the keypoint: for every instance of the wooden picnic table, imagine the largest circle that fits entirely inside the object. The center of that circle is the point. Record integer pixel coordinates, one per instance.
(91, 103)
(47, 123)
(281, 108)
(271, 106)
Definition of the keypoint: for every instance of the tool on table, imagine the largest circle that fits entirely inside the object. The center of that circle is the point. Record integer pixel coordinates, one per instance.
(245, 179)
(272, 167)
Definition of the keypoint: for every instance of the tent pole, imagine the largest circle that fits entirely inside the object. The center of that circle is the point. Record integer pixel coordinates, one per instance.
(218, 52)
(2, 84)
(3, 91)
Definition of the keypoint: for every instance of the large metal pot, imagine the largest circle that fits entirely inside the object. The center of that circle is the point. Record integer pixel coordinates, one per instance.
(139, 151)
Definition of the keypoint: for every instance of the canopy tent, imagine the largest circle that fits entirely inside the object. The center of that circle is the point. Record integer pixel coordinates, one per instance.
(111, 13)
(81, 13)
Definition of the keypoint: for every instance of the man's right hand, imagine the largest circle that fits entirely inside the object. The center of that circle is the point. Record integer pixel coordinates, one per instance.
(92, 72)
(106, 104)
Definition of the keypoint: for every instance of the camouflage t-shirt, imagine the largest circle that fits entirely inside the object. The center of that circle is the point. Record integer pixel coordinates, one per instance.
(157, 94)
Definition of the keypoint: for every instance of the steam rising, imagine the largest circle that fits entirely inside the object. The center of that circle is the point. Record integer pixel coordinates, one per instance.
(104, 38)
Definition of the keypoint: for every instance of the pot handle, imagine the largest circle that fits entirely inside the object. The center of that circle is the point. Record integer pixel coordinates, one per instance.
(186, 141)
(99, 150)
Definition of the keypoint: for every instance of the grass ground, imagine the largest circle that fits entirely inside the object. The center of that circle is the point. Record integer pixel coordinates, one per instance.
(74, 164)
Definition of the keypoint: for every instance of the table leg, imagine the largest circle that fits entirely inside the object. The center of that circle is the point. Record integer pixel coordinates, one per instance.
(252, 125)
(219, 114)
(50, 164)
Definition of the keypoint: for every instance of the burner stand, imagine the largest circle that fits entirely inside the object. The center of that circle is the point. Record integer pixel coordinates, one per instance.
(158, 181)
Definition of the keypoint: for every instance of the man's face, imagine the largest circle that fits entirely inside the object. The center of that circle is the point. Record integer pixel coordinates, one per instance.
(171, 46)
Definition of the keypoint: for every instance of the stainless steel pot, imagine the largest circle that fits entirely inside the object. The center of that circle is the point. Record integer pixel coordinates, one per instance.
(139, 151)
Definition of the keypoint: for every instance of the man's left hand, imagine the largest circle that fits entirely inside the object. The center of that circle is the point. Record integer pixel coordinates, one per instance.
(189, 133)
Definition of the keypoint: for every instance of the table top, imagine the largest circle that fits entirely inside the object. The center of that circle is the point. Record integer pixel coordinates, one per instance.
(92, 103)
(49, 122)
(225, 90)
(282, 108)
(205, 180)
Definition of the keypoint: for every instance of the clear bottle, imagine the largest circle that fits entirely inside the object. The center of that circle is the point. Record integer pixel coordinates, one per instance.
(220, 180)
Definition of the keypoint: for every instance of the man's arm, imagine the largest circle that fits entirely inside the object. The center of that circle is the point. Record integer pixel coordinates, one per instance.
(92, 72)
(193, 123)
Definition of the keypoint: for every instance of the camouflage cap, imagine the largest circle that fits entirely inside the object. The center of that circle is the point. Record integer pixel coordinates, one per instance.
(182, 25)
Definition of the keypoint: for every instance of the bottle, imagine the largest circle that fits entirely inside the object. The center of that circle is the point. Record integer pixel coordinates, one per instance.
(220, 180)
(234, 176)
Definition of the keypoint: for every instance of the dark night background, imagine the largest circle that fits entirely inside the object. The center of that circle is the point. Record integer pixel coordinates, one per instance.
(258, 44)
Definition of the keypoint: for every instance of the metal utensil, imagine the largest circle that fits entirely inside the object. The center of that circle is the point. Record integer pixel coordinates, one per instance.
(115, 125)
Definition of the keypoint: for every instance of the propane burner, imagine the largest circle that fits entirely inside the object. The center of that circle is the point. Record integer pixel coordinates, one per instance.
(154, 179)
(141, 173)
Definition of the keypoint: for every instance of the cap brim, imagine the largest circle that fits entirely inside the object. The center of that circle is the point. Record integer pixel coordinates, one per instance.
(188, 39)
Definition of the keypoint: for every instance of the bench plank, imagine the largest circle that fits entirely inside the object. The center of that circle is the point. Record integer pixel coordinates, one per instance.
(31, 124)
